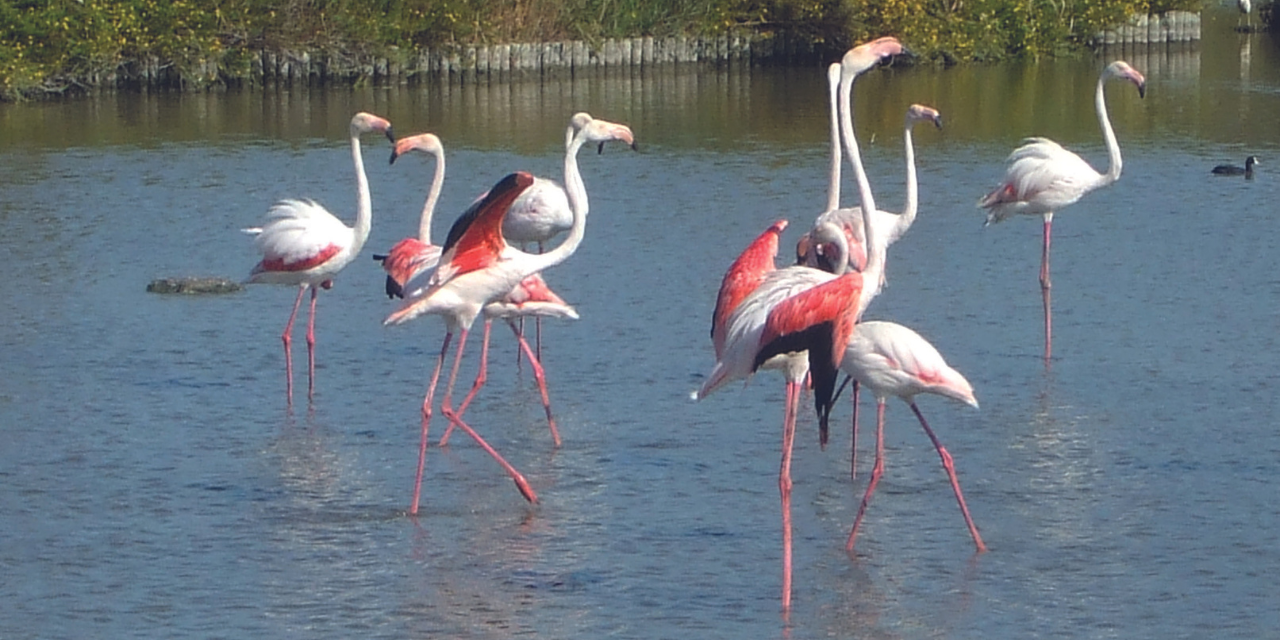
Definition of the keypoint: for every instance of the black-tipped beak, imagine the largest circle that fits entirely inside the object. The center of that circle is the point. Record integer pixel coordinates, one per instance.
(600, 149)
(937, 122)
(1142, 90)
(394, 155)
(391, 135)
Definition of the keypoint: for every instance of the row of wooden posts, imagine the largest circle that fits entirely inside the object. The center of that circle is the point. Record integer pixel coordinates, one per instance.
(506, 62)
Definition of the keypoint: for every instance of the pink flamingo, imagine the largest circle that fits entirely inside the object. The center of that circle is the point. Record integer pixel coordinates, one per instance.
(889, 226)
(303, 244)
(412, 257)
(892, 360)
(1042, 178)
(797, 319)
(479, 267)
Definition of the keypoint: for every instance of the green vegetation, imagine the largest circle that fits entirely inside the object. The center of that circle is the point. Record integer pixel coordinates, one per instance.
(52, 45)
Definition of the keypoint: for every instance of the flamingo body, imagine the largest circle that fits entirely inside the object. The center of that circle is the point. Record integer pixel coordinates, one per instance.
(539, 214)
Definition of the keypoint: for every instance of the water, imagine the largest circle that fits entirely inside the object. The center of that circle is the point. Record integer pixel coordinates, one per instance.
(153, 483)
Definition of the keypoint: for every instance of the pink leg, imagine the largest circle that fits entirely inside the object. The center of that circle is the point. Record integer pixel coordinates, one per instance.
(1045, 286)
(853, 456)
(426, 423)
(521, 483)
(784, 487)
(446, 407)
(287, 337)
(520, 333)
(481, 377)
(538, 326)
(540, 375)
(951, 473)
(311, 347)
(876, 472)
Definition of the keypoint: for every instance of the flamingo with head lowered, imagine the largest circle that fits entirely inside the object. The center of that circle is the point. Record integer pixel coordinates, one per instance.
(1042, 178)
(478, 267)
(302, 244)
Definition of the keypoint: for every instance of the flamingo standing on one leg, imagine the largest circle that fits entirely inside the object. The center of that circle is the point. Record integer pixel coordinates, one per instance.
(414, 256)
(479, 267)
(1042, 178)
(892, 360)
(303, 244)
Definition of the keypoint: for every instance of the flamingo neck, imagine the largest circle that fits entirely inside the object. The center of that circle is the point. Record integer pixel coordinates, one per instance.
(912, 204)
(874, 268)
(1108, 134)
(433, 196)
(364, 202)
(833, 187)
(577, 193)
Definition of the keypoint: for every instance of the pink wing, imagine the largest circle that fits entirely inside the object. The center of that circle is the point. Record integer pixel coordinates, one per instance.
(480, 242)
(744, 275)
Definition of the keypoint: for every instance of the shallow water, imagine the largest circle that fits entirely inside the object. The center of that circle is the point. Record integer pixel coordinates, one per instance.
(154, 484)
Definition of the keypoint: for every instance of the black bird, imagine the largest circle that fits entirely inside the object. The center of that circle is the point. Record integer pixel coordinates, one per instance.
(1233, 170)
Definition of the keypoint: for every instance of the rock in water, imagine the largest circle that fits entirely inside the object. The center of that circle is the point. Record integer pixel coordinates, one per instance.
(194, 285)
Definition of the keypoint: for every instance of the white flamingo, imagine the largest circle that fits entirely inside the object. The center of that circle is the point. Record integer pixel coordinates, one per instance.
(1043, 178)
(302, 244)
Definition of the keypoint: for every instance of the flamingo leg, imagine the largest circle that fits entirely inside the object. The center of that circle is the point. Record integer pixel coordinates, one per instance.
(426, 422)
(876, 471)
(287, 337)
(446, 406)
(519, 355)
(853, 455)
(537, 322)
(949, 465)
(481, 377)
(540, 375)
(521, 483)
(1045, 287)
(784, 486)
(311, 346)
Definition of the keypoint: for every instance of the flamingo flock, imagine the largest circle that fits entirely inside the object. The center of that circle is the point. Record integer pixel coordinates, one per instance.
(804, 320)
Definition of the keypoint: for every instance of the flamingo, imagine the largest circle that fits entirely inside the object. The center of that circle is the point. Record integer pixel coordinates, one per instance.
(796, 319)
(1235, 170)
(540, 213)
(411, 257)
(892, 360)
(302, 244)
(478, 267)
(890, 226)
(1245, 7)
(1042, 178)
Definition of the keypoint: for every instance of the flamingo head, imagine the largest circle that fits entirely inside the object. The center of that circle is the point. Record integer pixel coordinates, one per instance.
(920, 113)
(1121, 69)
(601, 131)
(867, 55)
(368, 123)
(424, 142)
